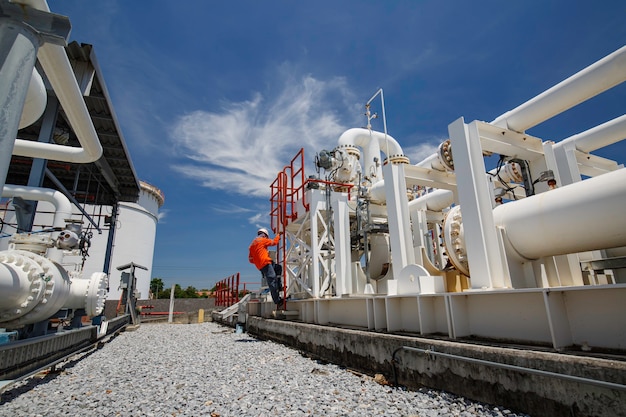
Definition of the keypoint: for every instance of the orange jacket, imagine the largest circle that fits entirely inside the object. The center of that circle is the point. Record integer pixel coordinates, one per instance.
(258, 254)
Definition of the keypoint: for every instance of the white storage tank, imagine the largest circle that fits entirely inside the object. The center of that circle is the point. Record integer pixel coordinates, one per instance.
(134, 239)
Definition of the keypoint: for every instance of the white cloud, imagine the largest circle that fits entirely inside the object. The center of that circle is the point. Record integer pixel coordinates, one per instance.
(162, 215)
(257, 218)
(419, 152)
(231, 209)
(242, 148)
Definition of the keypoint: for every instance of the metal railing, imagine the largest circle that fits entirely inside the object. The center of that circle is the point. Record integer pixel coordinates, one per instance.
(227, 291)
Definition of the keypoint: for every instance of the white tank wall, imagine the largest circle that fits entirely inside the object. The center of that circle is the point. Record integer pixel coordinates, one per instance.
(135, 235)
(134, 242)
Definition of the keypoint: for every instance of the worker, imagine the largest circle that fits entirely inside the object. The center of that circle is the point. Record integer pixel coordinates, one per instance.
(260, 257)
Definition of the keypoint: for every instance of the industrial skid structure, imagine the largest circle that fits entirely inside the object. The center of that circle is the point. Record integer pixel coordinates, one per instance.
(59, 143)
(532, 251)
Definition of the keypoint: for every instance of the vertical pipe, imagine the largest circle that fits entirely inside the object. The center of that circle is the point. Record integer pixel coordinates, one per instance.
(18, 51)
(111, 238)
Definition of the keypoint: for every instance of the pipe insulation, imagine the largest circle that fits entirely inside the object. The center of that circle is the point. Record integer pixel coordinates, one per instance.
(584, 216)
(59, 72)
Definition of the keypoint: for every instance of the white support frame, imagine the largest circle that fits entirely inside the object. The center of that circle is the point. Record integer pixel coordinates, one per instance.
(343, 256)
(483, 248)
(402, 253)
(557, 318)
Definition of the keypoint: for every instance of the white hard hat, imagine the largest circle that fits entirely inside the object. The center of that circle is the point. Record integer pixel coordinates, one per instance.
(263, 230)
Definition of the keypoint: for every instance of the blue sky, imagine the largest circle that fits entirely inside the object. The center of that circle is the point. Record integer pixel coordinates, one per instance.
(214, 98)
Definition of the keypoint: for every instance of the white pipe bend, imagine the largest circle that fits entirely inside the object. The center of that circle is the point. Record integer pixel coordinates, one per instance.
(62, 205)
(59, 72)
(372, 143)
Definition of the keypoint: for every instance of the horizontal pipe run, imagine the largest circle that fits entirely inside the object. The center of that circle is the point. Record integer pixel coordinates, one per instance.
(62, 205)
(548, 374)
(580, 217)
(585, 84)
(598, 137)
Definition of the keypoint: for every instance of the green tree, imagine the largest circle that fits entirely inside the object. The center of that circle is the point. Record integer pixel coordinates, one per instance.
(156, 286)
(179, 292)
(191, 292)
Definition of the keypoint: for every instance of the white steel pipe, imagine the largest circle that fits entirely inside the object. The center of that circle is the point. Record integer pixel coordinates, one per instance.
(63, 206)
(598, 137)
(436, 200)
(584, 216)
(59, 72)
(589, 82)
(432, 162)
(372, 143)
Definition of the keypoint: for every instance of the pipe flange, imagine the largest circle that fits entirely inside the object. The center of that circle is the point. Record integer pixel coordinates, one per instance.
(444, 153)
(512, 172)
(398, 159)
(350, 150)
(96, 293)
(454, 240)
(55, 285)
(30, 277)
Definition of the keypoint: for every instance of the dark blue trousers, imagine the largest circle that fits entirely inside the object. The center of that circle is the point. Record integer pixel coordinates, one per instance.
(273, 282)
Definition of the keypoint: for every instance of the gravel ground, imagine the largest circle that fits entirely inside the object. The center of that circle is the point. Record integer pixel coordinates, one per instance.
(210, 370)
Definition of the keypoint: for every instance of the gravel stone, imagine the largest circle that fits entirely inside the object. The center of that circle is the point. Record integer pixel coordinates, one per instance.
(179, 370)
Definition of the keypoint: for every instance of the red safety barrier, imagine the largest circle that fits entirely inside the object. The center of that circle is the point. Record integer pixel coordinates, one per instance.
(227, 291)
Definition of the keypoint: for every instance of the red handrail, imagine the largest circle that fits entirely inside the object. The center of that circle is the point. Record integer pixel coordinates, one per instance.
(286, 191)
(227, 291)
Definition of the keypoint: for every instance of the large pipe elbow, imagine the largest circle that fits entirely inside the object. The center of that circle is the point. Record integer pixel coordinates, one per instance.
(362, 137)
(62, 205)
(372, 143)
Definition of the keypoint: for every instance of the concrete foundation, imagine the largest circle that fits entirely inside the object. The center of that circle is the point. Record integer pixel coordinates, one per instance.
(533, 381)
